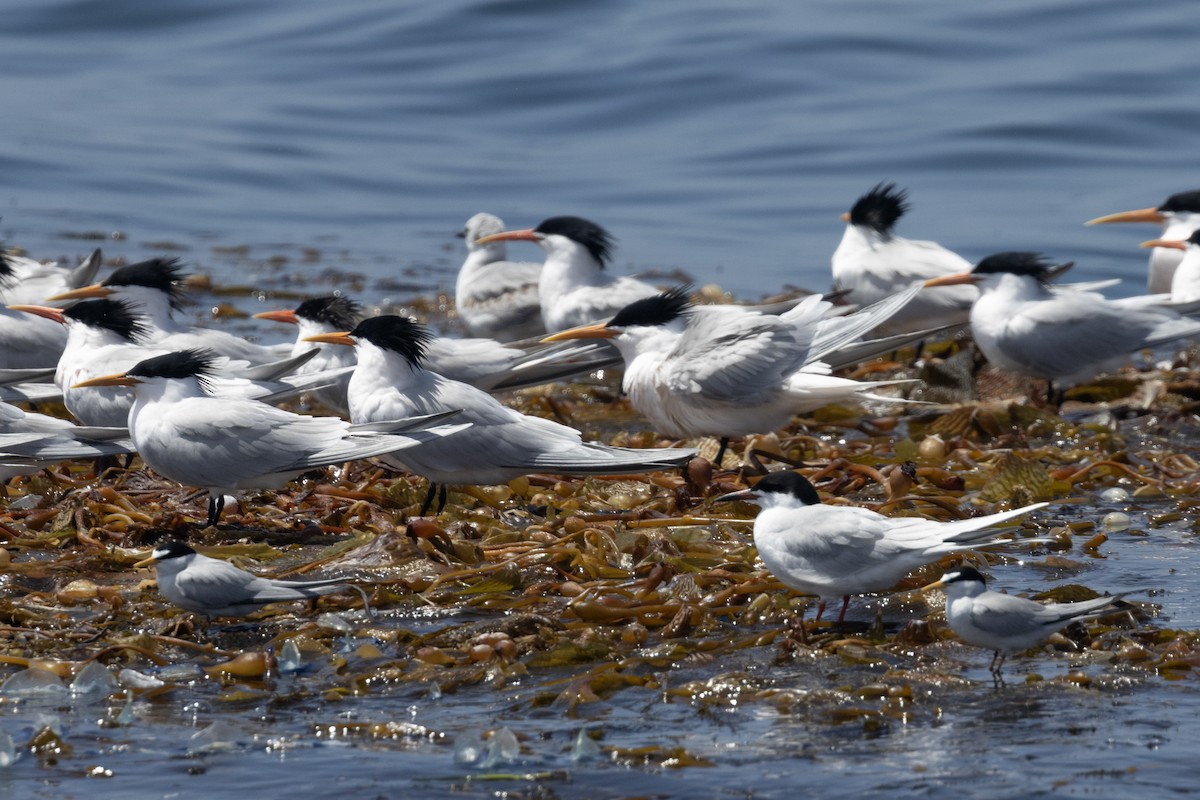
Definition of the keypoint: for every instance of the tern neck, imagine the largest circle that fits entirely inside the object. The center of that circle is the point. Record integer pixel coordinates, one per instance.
(151, 304)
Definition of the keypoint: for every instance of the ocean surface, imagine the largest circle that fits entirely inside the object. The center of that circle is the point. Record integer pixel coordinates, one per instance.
(719, 139)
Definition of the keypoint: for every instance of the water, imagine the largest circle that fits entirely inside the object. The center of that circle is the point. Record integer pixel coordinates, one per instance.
(721, 139)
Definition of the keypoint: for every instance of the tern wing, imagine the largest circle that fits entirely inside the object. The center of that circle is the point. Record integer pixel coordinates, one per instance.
(734, 356)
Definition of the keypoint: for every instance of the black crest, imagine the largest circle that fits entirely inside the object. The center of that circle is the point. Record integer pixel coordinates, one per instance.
(1183, 201)
(164, 274)
(165, 550)
(7, 270)
(113, 315)
(1195, 237)
(1034, 265)
(180, 364)
(341, 313)
(963, 575)
(880, 208)
(656, 310)
(398, 334)
(597, 240)
(788, 482)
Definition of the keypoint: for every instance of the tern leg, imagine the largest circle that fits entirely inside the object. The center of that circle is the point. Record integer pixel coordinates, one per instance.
(428, 501)
(820, 610)
(845, 605)
(721, 451)
(216, 504)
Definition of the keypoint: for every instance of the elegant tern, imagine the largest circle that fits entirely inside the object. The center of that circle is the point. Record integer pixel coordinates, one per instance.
(1022, 325)
(216, 588)
(496, 298)
(838, 551)
(1006, 624)
(34, 281)
(1185, 283)
(501, 444)
(1179, 216)
(223, 444)
(574, 288)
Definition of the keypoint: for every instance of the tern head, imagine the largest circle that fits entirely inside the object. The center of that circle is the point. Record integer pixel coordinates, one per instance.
(332, 312)
(1177, 204)
(163, 275)
(1175, 244)
(658, 310)
(166, 551)
(555, 232)
(178, 365)
(879, 209)
(778, 488)
(964, 580)
(112, 315)
(1025, 264)
(479, 226)
(397, 334)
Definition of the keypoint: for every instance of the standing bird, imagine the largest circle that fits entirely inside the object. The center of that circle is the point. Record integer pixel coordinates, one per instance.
(1022, 325)
(872, 262)
(222, 444)
(501, 444)
(1179, 215)
(721, 370)
(574, 288)
(837, 551)
(1006, 624)
(496, 298)
(154, 288)
(217, 588)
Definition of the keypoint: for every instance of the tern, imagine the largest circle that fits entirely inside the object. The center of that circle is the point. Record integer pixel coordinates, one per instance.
(484, 363)
(25, 342)
(223, 444)
(1022, 325)
(501, 444)
(574, 288)
(721, 370)
(35, 281)
(1179, 215)
(216, 588)
(837, 551)
(155, 289)
(872, 262)
(496, 298)
(1006, 624)
(1185, 283)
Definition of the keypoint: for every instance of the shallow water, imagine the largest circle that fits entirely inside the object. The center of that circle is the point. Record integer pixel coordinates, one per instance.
(271, 143)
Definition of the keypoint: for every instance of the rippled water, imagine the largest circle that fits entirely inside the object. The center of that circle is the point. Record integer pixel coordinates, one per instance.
(720, 138)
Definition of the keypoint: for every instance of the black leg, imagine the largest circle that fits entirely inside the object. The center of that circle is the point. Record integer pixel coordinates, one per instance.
(721, 451)
(428, 501)
(216, 504)
(441, 498)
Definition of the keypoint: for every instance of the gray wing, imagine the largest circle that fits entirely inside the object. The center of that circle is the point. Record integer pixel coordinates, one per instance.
(734, 356)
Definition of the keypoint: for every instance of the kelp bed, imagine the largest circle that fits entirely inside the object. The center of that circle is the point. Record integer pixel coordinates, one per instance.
(561, 637)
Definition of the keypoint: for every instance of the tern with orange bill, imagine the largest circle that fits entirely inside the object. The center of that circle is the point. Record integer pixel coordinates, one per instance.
(1179, 216)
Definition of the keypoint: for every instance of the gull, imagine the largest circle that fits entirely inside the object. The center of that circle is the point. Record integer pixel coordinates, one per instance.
(1179, 215)
(501, 444)
(1006, 624)
(837, 551)
(574, 288)
(216, 588)
(496, 298)
(1021, 325)
(155, 290)
(222, 444)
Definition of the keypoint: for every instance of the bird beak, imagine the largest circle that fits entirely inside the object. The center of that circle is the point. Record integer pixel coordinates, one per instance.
(1140, 215)
(1174, 244)
(845, 217)
(931, 587)
(341, 337)
(53, 314)
(744, 494)
(527, 235)
(952, 280)
(82, 293)
(597, 331)
(120, 379)
(279, 316)
(146, 562)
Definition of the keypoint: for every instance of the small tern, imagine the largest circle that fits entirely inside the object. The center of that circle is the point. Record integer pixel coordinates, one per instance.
(216, 588)
(574, 288)
(496, 298)
(837, 551)
(1022, 325)
(1179, 215)
(501, 443)
(222, 444)
(1006, 624)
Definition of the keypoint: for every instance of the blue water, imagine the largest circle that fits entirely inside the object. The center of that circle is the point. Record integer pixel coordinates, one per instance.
(721, 138)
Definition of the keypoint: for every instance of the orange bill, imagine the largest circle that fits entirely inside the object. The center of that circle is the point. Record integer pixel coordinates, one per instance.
(1139, 215)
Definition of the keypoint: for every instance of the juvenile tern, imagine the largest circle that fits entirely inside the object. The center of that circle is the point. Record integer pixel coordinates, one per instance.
(216, 588)
(1179, 215)
(496, 298)
(574, 288)
(501, 444)
(223, 444)
(155, 289)
(837, 551)
(872, 262)
(1022, 325)
(1006, 624)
